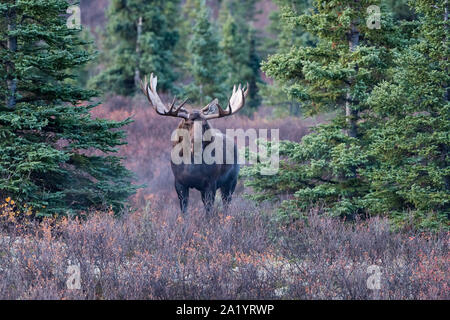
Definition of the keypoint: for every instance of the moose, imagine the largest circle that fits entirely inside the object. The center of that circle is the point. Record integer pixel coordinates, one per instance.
(205, 177)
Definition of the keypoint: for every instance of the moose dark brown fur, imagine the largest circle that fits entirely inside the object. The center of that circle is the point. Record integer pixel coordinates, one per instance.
(207, 178)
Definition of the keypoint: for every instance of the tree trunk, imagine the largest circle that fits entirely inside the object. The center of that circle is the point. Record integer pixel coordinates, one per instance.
(137, 74)
(445, 41)
(10, 69)
(445, 146)
(350, 112)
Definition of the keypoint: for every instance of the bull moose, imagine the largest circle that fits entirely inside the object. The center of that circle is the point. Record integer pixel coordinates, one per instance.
(207, 178)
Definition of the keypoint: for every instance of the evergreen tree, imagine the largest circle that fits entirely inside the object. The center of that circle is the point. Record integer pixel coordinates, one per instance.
(254, 80)
(284, 36)
(86, 72)
(237, 18)
(400, 9)
(47, 134)
(242, 59)
(140, 38)
(244, 12)
(335, 75)
(236, 51)
(411, 139)
(189, 14)
(206, 64)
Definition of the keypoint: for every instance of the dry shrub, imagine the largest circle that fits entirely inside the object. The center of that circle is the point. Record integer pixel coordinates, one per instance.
(156, 253)
(150, 254)
(329, 259)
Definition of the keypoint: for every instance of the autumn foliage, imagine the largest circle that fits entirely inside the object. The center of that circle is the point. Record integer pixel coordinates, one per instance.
(155, 253)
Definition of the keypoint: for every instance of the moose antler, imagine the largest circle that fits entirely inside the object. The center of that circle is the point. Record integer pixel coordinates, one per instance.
(149, 90)
(235, 104)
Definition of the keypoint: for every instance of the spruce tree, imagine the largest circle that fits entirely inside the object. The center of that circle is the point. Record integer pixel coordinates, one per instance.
(54, 157)
(206, 63)
(242, 59)
(236, 51)
(254, 79)
(335, 75)
(411, 139)
(185, 25)
(400, 9)
(283, 36)
(86, 72)
(241, 42)
(244, 12)
(140, 38)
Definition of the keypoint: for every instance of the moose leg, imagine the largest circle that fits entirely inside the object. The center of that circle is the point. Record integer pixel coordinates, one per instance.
(227, 192)
(208, 197)
(183, 195)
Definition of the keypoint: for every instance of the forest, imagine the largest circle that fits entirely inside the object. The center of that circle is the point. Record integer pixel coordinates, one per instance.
(356, 90)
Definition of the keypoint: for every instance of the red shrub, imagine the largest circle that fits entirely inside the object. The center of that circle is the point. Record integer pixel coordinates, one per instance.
(155, 253)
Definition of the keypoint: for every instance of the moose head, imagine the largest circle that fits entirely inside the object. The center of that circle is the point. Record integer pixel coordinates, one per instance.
(207, 178)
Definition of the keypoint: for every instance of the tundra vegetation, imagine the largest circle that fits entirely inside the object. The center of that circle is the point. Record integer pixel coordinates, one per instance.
(85, 163)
